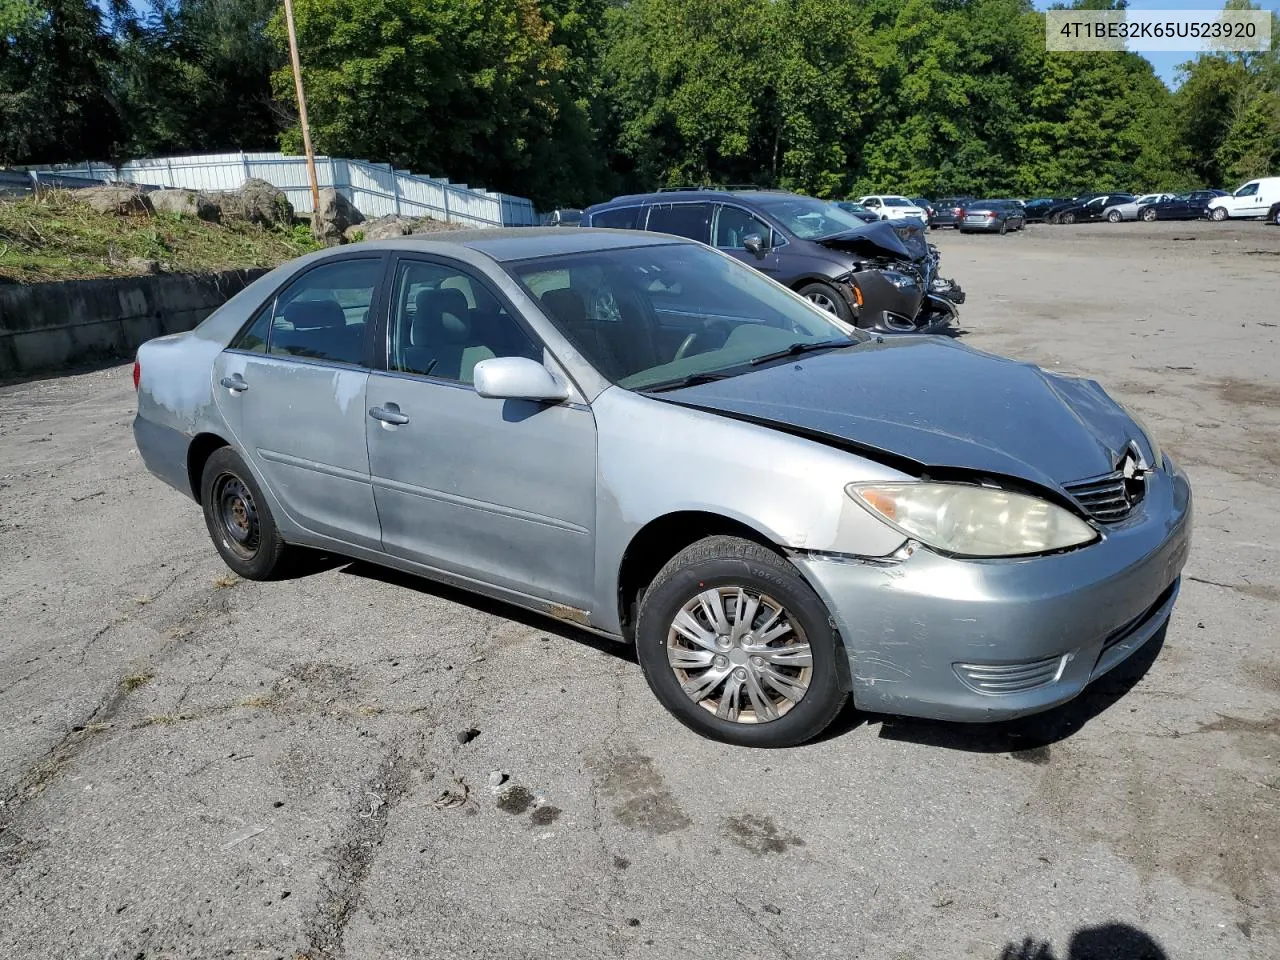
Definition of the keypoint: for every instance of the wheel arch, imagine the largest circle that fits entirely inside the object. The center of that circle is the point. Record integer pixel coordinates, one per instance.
(199, 451)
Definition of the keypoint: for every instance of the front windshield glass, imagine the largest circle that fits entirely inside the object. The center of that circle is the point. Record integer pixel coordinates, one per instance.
(896, 202)
(656, 315)
(807, 218)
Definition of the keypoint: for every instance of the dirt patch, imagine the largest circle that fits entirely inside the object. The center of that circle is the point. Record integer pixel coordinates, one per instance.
(758, 834)
(645, 802)
(1257, 393)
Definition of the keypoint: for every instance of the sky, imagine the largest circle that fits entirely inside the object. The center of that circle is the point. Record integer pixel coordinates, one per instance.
(1166, 64)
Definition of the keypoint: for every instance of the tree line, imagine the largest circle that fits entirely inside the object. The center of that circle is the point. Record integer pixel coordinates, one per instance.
(571, 101)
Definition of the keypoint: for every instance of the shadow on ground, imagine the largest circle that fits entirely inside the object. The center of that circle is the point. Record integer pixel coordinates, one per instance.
(1110, 941)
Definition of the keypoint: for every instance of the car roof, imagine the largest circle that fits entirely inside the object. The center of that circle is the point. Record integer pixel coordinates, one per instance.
(521, 243)
(686, 196)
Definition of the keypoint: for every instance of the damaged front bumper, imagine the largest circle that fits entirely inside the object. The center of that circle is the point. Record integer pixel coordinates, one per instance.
(983, 640)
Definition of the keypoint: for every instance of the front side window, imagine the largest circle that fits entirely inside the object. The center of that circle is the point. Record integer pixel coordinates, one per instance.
(1248, 190)
(734, 225)
(655, 315)
(324, 313)
(444, 321)
(692, 220)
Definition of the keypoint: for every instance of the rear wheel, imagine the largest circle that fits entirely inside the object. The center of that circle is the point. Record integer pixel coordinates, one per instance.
(238, 518)
(825, 297)
(1114, 216)
(1067, 218)
(1218, 213)
(1004, 227)
(738, 647)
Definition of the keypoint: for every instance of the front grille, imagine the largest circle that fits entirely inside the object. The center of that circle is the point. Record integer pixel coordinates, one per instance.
(1009, 677)
(1104, 498)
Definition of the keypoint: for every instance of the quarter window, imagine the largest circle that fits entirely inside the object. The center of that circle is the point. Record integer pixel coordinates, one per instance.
(444, 322)
(625, 218)
(692, 220)
(324, 313)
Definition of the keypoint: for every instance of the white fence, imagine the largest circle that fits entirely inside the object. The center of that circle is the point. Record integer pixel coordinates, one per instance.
(376, 189)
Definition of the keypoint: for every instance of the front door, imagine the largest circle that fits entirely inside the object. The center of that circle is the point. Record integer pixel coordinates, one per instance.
(730, 230)
(292, 388)
(499, 491)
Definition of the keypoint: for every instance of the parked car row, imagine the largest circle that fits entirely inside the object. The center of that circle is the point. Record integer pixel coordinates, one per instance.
(873, 273)
(641, 437)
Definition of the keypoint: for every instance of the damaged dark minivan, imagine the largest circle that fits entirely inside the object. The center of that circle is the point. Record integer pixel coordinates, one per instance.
(879, 276)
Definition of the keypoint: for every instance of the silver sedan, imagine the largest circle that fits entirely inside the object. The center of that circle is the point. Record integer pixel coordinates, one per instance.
(643, 437)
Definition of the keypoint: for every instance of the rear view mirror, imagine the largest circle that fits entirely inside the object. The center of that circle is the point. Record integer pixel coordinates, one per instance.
(518, 378)
(754, 244)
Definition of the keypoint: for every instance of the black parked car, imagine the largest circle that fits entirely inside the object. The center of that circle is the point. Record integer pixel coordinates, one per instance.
(925, 204)
(1036, 211)
(992, 216)
(947, 211)
(1084, 211)
(858, 210)
(1183, 206)
(881, 276)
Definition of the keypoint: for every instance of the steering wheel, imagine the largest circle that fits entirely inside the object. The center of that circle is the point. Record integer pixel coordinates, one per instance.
(689, 341)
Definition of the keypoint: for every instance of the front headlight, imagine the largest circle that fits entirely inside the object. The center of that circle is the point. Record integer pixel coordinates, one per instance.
(1157, 455)
(900, 280)
(973, 521)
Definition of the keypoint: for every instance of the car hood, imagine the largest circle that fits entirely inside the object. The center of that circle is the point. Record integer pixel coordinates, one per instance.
(879, 238)
(937, 404)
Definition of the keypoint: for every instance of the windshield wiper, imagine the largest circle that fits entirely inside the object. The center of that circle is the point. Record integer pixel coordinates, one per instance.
(804, 346)
(692, 380)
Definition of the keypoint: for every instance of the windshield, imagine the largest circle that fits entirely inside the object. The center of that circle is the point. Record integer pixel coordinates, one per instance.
(807, 218)
(897, 202)
(653, 315)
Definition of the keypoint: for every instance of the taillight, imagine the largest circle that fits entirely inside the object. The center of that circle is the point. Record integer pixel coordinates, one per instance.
(137, 374)
(991, 215)
(957, 211)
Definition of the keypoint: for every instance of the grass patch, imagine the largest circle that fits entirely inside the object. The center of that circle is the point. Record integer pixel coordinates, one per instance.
(55, 237)
(225, 580)
(258, 702)
(136, 680)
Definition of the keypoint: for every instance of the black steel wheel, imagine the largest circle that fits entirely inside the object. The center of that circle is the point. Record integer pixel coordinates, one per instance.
(239, 521)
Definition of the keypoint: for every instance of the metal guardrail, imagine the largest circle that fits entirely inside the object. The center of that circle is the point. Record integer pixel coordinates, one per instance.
(375, 189)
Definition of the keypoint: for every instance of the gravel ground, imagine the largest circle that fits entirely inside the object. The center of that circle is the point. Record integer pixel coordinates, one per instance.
(193, 766)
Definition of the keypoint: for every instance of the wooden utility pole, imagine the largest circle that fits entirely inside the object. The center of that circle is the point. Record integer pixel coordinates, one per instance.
(302, 107)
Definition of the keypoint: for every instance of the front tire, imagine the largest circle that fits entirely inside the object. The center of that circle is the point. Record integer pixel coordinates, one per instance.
(1149, 215)
(828, 299)
(738, 647)
(239, 520)
(1218, 214)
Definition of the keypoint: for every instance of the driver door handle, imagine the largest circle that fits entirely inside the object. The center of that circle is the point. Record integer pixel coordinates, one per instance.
(235, 383)
(389, 414)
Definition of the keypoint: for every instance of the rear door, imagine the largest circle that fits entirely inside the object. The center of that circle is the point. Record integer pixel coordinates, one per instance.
(499, 491)
(692, 220)
(292, 387)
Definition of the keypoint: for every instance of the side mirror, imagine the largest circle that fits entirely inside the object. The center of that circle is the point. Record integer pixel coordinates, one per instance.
(754, 243)
(518, 378)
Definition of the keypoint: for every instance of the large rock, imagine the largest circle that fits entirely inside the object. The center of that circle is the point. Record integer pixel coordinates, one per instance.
(258, 202)
(184, 203)
(121, 199)
(381, 228)
(335, 215)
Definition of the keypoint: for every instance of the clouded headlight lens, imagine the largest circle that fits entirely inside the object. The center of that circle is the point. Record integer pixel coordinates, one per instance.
(973, 521)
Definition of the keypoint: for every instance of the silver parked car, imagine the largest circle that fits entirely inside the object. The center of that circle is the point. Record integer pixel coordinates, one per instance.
(644, 437)
(1118, 212)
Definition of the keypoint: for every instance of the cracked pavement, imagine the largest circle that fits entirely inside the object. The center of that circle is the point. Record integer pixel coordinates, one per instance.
(195, 766)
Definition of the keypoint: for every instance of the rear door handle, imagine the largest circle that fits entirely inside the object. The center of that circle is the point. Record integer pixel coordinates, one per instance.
(235, 383)
(389, 414)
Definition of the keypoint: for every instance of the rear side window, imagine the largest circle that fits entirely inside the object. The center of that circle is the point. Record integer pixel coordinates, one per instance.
(623, 218)
(324, 313)
(692, 220)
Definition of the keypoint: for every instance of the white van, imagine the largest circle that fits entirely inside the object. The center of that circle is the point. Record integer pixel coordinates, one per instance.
(1254, 199)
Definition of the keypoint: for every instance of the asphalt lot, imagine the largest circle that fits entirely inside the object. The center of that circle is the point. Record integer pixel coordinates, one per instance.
(193, 766)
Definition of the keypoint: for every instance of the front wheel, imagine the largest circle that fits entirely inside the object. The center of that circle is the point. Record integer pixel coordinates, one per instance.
(826, 298)
(736, 644)
(1148, 215)
(1114, 216)
(238, 518)
(1218, 214)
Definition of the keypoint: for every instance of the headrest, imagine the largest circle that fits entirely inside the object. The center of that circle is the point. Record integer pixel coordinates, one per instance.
(441, 316)
(565, 305)
(315, 314)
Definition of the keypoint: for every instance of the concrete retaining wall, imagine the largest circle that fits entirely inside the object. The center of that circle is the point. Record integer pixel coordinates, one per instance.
(44, 326)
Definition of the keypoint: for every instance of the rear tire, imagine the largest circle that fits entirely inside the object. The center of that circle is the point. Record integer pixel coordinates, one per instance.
(239, 521)
(1067, 218)
(1004, 227)
(740, 680)
(1114, 216)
